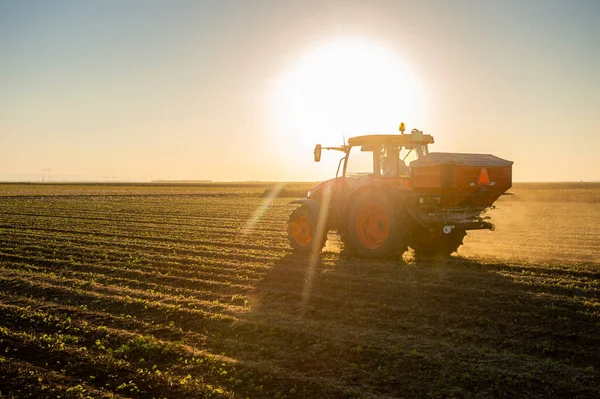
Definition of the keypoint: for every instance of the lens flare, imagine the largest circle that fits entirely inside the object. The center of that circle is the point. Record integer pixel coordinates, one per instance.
(262, 208)
(314, 258)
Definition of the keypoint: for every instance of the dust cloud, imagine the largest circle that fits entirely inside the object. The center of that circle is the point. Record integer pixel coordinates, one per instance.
(547, 224)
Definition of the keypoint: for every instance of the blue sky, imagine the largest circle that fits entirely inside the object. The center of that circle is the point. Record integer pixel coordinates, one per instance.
(184, 90)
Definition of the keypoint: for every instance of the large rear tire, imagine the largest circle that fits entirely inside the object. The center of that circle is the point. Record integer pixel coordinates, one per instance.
(377, 227)
(427, 245)
(302, 231)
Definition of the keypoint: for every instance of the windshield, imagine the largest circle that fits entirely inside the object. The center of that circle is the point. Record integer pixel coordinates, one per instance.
(390, 161)
(408, 156)
(393, 161)
(360, 163)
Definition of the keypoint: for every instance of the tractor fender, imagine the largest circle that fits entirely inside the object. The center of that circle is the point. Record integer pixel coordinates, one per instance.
(314, 207)
(401, 196)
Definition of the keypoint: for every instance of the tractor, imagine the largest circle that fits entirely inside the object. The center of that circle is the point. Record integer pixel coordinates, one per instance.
(391, 193)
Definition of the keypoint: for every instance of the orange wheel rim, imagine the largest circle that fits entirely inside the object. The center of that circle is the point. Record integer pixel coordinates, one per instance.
(301, 230)
(372, 226)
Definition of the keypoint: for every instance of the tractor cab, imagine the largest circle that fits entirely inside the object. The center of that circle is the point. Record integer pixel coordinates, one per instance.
(375, 157)
(385, 155)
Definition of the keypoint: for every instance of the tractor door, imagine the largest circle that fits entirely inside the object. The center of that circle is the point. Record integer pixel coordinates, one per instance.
(362, 165)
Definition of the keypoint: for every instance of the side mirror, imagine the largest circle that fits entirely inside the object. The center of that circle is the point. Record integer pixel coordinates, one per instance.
(318, 153)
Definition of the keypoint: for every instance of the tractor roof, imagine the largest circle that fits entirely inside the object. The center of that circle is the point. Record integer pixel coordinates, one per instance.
(394, 139)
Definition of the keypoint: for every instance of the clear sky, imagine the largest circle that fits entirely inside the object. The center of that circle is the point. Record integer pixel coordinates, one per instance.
(243, 90)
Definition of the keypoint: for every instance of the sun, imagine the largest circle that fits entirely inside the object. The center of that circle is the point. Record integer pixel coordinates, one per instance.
(345, 88)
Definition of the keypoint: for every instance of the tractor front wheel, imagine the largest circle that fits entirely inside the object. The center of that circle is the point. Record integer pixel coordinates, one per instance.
(377, 227)
(302, 231)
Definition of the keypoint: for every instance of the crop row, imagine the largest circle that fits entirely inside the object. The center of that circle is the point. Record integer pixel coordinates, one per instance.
(171, 296)
(357, 342)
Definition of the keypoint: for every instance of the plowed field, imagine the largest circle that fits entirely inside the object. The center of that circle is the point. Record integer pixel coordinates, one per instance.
(192, 291)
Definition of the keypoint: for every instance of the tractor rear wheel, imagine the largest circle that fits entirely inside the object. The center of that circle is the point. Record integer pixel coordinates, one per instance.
(302, 230)
(427, 245)
(377, 227)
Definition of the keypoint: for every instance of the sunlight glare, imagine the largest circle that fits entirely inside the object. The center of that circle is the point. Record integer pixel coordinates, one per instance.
(262, 208)
(315, 257)
(346, 87)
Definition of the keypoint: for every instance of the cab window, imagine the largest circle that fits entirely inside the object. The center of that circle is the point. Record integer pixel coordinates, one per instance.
(360, 162)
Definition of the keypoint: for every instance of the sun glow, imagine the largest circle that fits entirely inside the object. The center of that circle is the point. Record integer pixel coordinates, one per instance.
(346, 87)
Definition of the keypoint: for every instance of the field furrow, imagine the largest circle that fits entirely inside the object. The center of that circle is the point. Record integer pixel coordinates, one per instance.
(184, 292)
